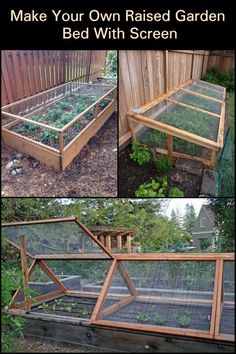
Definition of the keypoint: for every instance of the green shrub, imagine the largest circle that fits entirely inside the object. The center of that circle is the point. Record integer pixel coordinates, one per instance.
(140, 153)
(12, 327)
(226, 79)
(163, 164)
(175, 192)
(152, 189)
(111, 63)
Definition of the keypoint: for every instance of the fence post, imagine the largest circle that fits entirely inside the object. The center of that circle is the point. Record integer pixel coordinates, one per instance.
(25, 273)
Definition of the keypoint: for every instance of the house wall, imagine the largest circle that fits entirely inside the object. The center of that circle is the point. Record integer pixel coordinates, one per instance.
(202, 232)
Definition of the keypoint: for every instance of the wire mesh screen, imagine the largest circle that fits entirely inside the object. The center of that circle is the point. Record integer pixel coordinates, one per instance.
(59, 98)
(198, 123)
(171, 294)
(209, 85)
(228, 313)
(225, 169)
(204, 90)
(152, 138)
(53, 238)
(191, 149)
(80, 275)
(39, 284)
(197, 101)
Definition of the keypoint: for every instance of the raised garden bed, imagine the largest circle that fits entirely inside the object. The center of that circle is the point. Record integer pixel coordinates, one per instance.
(55, 125)
(188, 122)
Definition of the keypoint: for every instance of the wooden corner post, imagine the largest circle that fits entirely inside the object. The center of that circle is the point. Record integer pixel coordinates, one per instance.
(25, 273)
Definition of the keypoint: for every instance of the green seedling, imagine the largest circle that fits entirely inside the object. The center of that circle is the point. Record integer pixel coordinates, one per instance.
(69, 308)
(54, 307)
(85, 312)
(184, 320)
(143, 318)
(160, 318)
(43, 306)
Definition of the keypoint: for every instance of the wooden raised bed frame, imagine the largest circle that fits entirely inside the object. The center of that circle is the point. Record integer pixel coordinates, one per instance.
(99, 314)
(60, 158)
(138, 118)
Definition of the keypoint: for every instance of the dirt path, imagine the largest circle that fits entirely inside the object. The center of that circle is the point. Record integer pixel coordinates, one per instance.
(92, 173)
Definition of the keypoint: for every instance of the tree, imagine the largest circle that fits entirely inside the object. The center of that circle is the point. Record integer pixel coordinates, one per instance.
(175, 218)
(224, 211)
(189, 218)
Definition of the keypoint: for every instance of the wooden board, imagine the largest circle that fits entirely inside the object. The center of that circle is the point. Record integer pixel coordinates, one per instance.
(29, 147)
(119, 340)
(75, 146)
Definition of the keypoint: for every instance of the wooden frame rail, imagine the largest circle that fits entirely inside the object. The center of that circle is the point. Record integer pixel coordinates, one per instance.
(61, 156)
(99, 315)
(140, 117)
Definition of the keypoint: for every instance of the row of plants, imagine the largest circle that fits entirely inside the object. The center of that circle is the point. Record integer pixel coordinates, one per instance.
(57, 305)
(160, 319)
(157, 187)
(59, 115)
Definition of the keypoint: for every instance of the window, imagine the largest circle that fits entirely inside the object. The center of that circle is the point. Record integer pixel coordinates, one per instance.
(203, 222)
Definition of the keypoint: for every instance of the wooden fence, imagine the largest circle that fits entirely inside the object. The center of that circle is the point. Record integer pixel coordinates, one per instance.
(28, 72)
(144, 75)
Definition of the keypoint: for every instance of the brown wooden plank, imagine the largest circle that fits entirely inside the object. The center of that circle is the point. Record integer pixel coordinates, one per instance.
(17, 293)
(189, 157)
(51, 275)
(43, 221)
(25, 273)
(215, 326)
(172, 256)
(153, 329)
(200, 95)
(72, 256)
(116, 307)
(125, 276)
(98, 308)
(45, 126)
(28, 146)
(170, 145)
(126, 341)
(75, 146)
(88, 232)
(220, 139)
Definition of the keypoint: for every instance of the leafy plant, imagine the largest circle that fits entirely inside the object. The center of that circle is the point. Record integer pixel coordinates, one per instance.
(50, 135)
(85, 312)
(54, 307)
(12, 327)
(175, 192)
(69, 308)
(43, 306)
(215, 76)
(140, 153)
(184, 320)
(143, 318)
(152, 189)
(163, 164)
(111, 63)
(159, 318)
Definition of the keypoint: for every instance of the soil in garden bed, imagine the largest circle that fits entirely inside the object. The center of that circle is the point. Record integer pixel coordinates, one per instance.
(58, 115)
(92, 173)
(145, 313)
(72, 306)
(131, 176)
